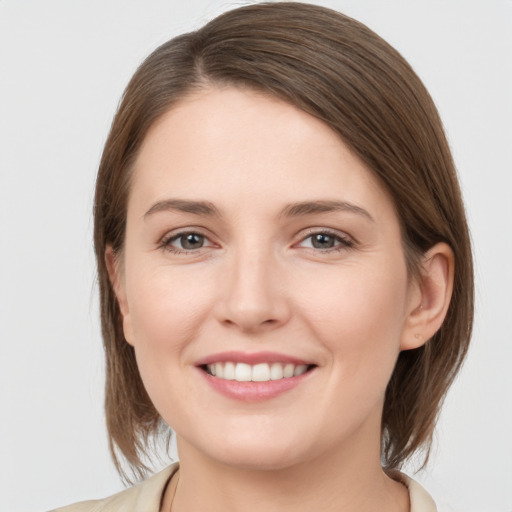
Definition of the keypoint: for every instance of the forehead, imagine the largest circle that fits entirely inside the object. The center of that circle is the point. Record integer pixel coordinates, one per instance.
(245, 147)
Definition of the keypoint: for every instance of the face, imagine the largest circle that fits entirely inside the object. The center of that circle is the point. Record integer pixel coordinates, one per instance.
(263, 283)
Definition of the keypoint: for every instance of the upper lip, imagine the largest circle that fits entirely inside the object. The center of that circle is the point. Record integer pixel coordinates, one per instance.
(251, 358)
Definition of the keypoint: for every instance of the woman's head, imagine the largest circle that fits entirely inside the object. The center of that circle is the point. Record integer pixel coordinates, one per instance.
(342, 74)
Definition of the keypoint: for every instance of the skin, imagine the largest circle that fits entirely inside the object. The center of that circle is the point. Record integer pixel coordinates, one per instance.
(258, 283)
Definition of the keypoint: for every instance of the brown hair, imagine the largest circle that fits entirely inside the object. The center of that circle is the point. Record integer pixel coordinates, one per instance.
(341, 72)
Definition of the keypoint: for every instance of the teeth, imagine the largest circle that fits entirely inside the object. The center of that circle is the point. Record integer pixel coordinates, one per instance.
(299, 370)
(288, 371)
(276, 371)
(219, 370)
(243, 372)
(262, 372)
(228, 372)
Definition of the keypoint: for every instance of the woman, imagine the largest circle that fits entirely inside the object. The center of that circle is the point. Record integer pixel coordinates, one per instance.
(285, 269)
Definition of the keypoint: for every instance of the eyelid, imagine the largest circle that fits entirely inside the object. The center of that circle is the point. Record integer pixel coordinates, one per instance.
(346, 240)
(165, 241)
(177, 236)
(183, 230)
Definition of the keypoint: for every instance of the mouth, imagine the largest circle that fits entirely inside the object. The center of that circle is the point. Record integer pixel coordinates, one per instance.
(261, 372)
(254, 377)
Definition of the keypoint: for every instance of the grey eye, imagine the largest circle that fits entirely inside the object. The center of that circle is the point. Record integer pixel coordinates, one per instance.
(191, 241)
(323, 241)
(186, 242)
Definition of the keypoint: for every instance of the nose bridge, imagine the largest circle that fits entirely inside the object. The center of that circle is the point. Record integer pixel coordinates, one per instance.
(252, 297)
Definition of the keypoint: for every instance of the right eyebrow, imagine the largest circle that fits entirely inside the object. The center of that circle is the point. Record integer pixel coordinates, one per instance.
(181, 205)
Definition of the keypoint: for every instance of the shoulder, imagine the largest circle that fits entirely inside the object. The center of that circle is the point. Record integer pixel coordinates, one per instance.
(421, 501)
(148, 493)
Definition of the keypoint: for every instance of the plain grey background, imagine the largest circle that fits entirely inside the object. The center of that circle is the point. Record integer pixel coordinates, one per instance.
(63, 66)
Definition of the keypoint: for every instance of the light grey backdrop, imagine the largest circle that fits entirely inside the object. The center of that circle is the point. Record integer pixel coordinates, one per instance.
(63, 66)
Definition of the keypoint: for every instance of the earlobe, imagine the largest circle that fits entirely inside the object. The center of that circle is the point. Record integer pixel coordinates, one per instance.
(433, 291)
(116, 280)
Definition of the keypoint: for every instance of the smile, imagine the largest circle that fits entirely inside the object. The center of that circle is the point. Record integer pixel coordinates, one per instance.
(261, 372)
(254, 377)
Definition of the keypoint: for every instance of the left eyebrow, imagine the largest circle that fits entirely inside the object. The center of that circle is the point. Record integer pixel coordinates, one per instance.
(322, 206)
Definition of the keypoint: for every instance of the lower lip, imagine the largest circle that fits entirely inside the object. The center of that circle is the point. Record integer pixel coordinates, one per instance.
(253, 391)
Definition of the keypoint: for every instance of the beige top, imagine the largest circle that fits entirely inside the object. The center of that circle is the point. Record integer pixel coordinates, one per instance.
(146, 497)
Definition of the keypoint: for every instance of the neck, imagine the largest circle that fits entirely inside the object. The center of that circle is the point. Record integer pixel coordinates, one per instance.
(349, 480)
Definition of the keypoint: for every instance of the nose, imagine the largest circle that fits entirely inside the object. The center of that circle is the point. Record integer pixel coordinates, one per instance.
(253, 294)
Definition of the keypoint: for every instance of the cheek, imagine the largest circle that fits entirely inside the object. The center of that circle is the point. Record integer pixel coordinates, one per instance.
(164, 306)
(358, 317)
(358, 313)
(167, 309)
(166, 312)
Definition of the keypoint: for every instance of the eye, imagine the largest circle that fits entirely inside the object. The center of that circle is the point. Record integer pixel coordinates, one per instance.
(326, 241)
(185, 242)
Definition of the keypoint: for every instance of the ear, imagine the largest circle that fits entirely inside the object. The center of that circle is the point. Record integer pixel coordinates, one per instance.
(429, 297)
(115, 274)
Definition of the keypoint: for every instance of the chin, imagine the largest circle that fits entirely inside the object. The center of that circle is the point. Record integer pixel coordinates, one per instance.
(251, 451)
(257, 459)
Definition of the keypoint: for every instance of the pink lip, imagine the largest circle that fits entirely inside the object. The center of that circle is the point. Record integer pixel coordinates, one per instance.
(247, 358)
(253, 391)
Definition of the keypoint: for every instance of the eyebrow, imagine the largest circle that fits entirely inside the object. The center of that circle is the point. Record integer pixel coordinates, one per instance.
(323, 206)
(290, 210)
(185, 206)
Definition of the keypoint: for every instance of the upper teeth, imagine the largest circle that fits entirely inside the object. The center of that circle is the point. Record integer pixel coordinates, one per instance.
(262, 372)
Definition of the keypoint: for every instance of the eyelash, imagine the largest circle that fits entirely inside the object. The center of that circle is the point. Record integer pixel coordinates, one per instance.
(165, 244)
(344, 243)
